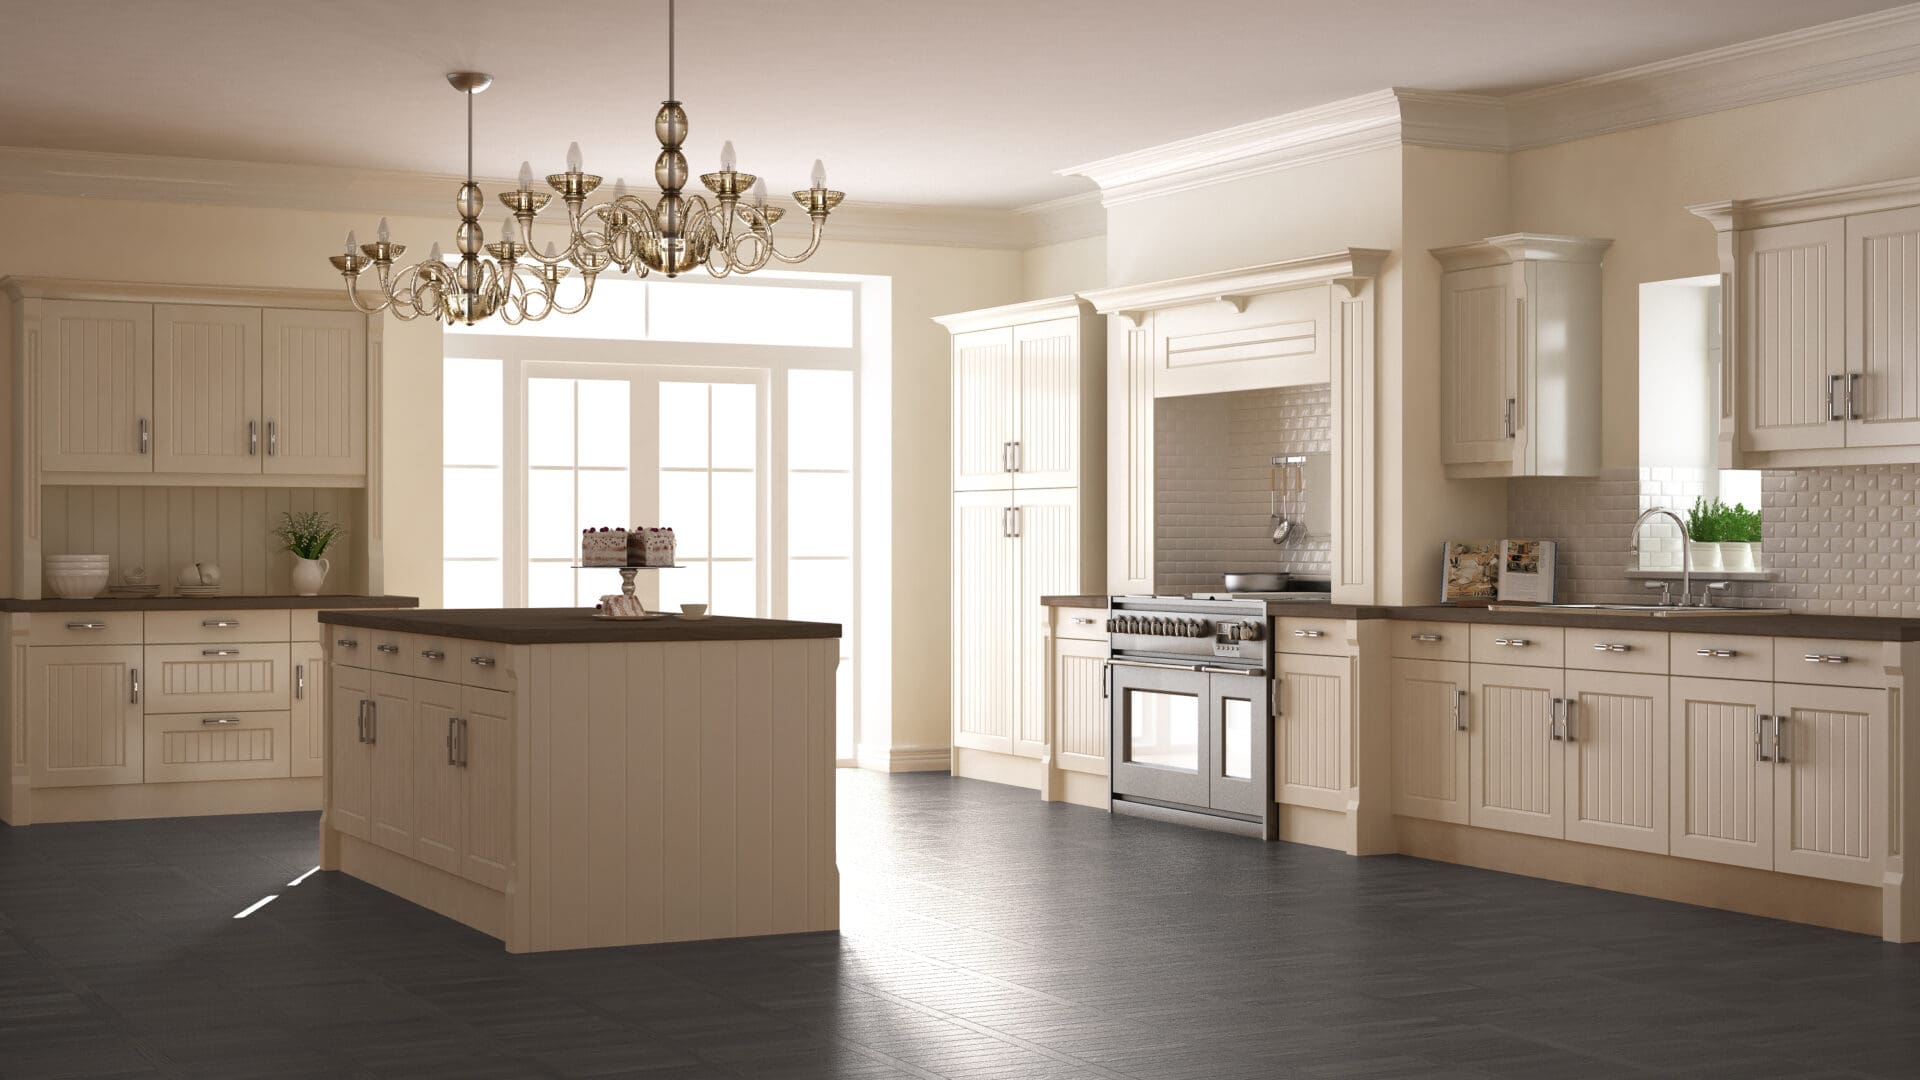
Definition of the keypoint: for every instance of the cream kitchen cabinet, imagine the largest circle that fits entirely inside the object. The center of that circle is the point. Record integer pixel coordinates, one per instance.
(1722, 786)
(307, 720)
(1520, 356)
(1615, 731)
(1829, 751)
(1792, 336)
(95, 372)
(350, 754)
(1312, 728)
(83, 715)
(313, 393)
(1516, 772)
(462, 781)
(206, 384)
(392, 748)
(1027, 383)
(1431, 723)
(1077, 725)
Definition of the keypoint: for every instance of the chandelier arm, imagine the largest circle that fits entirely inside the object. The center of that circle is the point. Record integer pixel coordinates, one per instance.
(353, 297)
(586, 294)
(813, 244)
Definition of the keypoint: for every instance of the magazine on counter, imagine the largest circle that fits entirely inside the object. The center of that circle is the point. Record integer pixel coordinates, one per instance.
(1470, 574)
(1526, 571)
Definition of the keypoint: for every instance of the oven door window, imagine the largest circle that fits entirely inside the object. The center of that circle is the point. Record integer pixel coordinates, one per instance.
(1236, 738)
(1163, 729)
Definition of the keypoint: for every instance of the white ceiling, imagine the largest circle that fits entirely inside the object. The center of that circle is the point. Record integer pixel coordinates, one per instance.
(972, 103)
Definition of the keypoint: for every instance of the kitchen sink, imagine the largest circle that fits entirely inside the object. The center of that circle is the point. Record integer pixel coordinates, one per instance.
(1658, 611)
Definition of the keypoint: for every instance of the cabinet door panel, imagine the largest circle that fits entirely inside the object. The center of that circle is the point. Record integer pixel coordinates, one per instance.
(488, 756)
(1479, 366)
(1722, 790)
(230, 746)
(1080, 705)
(1517, 769)
(206, 386)
(983, 421)
(1047, 404)
(1793, 348)
(1310, 740)
(439, 785)
(308, 718)
(314, 393)
(391, 805)
(1130, 456)
(984, 571)
(1047, 543)
(1830, 782)
(218, 676)
(1431, 717)
(83, 716)
(1883, 327)
(1617, 771)
(96, 387)
(349, 758)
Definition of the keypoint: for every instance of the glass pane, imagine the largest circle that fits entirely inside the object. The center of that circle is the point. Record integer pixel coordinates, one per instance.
(733, 589)
(820, 514)
(735, 518)
(735, 425)
(685, 586)
(820, 590)
(617, 313)
(549, 585)
(1236, 733)
(604, 498)
(1163, 729)
(683, 425)
(551, 532)
(750, 314)
(470, 408)
(683, 508)
(604, 404)
(471, 521)
(820, 420)
(471, 584)
(549, 421)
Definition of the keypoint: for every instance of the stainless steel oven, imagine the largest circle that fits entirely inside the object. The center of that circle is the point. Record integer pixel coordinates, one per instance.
(1190, 703)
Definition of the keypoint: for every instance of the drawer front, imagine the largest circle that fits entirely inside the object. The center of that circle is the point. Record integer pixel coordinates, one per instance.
(1430, 640)
(1084, 623)
(193, 627)
(218, 677)
(1641, 651)
(1722, 656)
(1316, 637)
(85, 628)
(483, 663)
(388, 651)
(1527, 646)
(217, 746)
(305, 625)
(347, 646)
(436, 658)
(1825, 662)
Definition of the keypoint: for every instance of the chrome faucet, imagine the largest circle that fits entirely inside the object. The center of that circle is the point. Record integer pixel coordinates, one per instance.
(1686, 552)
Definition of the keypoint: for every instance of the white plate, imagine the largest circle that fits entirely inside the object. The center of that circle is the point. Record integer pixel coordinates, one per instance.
(197, 590)
(632, 618)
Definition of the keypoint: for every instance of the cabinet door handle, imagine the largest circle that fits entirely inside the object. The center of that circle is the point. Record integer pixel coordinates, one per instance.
(373, 721)
(253, 437)
(219, 652)
(453, 722)
(481, 661)
(465, 741)
(1509, 420)
(299, 681)
(1019, 455)
(387, 647)
(1080, 620)
(1566, 718)
(273, 438)
(1718, 654)
(1513, 643)
(103, 626)
(1824, 658)
(219, 719)
(1611, 646)
(1780, 738)
(346, 643)
(1854, 388)
(146, 436)
(1553, 719)
(1310, 633)
(1428, 638)
(360, 720)
(1834, 394)
(433, 654)
(1006, 457)
(1459, 710)
(220, 624)
(133, 686)
(1760, 737)
(1019, 512)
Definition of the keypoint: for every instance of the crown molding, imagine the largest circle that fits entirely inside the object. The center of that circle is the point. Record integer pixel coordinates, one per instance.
(1056, 221)
(1730, 214)
(1053, 307)
(149, 292)
(1348, 267)
(1514, 247)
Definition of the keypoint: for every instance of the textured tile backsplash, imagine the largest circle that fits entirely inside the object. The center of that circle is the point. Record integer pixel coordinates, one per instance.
(1212, 462)
(1842, 539)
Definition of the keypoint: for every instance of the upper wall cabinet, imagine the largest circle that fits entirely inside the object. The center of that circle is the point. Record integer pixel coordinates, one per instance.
(1823, 365)
(95, 369)
(206, 380)
(1520, 356)
(1026, 391)
(313, 392)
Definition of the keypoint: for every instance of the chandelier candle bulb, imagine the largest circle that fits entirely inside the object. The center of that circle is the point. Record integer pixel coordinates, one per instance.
(819, 174)
(433, 254)
(526, 176)
(759, 194)
(726, 156)
(619, 188)
(351, 245)
(382, 233)
(574, 161)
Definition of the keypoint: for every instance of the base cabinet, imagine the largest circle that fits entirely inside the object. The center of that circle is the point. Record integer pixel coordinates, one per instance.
(1614, 725)
(1830, 747)
(1431, 721)
(307, 721)
(350, 755)
(392, 751)
(1080, 705)
(1312, 732)
(1516, 772)
(1722, 788)
(84, 715)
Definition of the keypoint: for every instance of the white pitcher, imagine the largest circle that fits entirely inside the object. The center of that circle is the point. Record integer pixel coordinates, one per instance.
(307, 575)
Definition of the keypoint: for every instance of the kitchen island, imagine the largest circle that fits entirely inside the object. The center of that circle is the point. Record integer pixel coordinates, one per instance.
(562, 781)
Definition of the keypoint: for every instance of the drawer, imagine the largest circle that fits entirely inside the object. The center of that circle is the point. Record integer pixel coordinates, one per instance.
(388, 651)
(217, 746)
(1723, 656)
(484, 664)
(1318, 637)
(1528, 646)
(85, 628)
(1643, 651)
(218, 677)
(1085, 623)
(192, 627)
(347, 646)
(435, 657)
(1829, 663)
(305, 625)
(1429, 640)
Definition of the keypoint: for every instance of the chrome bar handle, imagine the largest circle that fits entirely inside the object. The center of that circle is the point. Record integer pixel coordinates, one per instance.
(273, 438)
(346, 643)
(133, 686)
(1834, 393)
(253, 437)
(433, 654)
(452, 723)
(1824, 658)
(464, 744)
(1566, 718)
(1310, 633)
(1513, 643)
(1006, 457)
(481, 661)
(360, 719)
(98, 626)
(1760, 737)
(1854, 395)
(1719, 654)
(1019, 457)
(1780, 738)
(219, 719)
(1018, 525)
(387, 647)
(220, 624)
(146, 436)
(1459, 710)
(219, 652)
(1611, 646)
(1509, 419)
(1553, 719)
(299, 681)
(1427, 638)
(373, 720)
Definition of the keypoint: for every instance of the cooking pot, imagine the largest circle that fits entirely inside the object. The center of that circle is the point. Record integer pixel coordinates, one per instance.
(1257, 582)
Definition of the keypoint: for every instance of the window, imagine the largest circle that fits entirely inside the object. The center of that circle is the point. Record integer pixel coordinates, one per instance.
(473, 523)
(709, 493)
(578, 477)
(820, 577)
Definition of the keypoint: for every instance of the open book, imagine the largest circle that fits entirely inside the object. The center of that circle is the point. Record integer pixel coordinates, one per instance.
(1511, 571)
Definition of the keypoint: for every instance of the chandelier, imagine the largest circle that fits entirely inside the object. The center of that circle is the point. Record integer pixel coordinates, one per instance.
(733, 234)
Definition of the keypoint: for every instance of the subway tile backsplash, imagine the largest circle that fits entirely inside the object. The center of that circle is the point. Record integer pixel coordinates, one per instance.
(1212, 461)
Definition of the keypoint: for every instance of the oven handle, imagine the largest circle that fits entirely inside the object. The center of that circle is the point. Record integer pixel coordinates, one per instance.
(1203, 669)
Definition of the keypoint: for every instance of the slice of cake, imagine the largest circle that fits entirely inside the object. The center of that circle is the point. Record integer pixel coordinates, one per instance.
(622, 607)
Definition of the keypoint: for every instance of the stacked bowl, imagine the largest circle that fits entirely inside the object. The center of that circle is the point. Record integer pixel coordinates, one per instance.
(76, 577)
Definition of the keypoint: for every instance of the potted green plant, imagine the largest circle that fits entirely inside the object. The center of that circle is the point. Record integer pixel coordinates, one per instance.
(1740, 539)
(1705, 522)
(307, 535)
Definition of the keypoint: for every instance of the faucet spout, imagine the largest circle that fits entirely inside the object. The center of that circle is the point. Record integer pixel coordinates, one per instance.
(1686, 550)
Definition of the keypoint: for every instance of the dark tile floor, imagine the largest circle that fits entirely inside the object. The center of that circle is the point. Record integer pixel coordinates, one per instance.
(986, 935)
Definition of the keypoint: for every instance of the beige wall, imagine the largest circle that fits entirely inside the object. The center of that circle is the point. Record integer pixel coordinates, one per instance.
(1070, 266)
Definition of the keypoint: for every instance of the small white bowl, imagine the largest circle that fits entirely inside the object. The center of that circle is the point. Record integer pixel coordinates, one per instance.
(693, 611)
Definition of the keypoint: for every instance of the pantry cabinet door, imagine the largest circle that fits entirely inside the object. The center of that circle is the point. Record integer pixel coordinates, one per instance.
(393, 781)
(96, 386)
(1722, 785)
(1617, 771)
(84, 715)
(985, 578)
(486, 757)
(1431, 719)
(1479, 366)
(1046, 436)
(1046, 528)
(1883, 328)
(1830, 794)
(439, 784)
(1793, 340)
(308, 718)
(349, 755)
(206, 388)
(314, 393)
(1517, 769)
(983, 417)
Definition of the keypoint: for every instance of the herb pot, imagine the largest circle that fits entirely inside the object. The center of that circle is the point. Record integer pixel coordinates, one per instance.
(1705, 555)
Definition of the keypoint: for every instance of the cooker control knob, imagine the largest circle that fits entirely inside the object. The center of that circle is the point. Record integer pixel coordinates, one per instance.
(1251, 631)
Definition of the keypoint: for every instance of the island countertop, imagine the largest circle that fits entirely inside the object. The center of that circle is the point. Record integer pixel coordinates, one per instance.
(567, 626)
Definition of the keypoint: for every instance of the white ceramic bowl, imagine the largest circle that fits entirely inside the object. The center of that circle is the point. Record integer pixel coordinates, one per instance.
(77, 560)
(77, 585)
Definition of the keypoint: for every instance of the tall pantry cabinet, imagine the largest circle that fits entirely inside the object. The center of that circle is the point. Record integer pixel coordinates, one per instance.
(1029, 468)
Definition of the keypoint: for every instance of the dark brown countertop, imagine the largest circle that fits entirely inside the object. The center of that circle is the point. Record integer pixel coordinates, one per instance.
(569, 626)
(1074, 601)
(207, 603)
